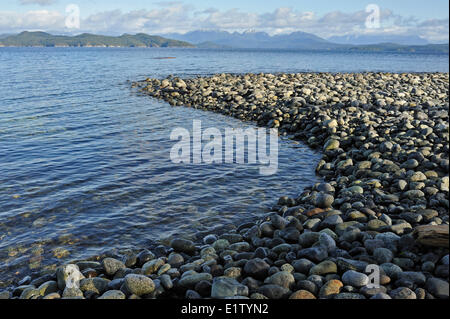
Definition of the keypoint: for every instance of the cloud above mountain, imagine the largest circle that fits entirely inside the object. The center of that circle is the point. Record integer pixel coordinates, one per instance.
(173, 16)
(39, 2)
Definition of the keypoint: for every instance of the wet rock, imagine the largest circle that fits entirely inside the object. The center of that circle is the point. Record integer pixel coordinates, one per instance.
(223, 287)
(94, 285)
(68, 275)
(183, 245)
(111, 266)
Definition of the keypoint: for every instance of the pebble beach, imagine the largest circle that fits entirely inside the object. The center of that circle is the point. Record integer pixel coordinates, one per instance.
(383, 201)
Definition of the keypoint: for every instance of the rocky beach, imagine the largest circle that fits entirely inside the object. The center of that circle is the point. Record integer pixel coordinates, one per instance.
(383, 203)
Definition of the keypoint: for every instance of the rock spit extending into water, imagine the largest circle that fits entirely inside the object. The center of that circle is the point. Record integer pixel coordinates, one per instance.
(384, 139)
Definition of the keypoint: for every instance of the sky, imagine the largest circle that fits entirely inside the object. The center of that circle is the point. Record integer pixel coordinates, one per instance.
(428, 19)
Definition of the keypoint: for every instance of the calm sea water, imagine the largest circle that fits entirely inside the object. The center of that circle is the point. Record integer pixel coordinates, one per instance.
(84, 160)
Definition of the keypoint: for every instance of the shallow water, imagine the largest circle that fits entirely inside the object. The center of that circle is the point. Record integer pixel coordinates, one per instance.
(84, 160)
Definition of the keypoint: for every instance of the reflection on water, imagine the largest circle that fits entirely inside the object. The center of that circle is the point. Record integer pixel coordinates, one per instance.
(84, 161)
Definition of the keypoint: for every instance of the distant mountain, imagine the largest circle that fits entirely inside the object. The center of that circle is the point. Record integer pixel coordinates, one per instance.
(211, 40)
(89, 40)
(377, 39)
(2, 36)
(256, 40)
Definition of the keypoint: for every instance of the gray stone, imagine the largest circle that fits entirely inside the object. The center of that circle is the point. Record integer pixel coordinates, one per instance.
(282, 278)
(48, 288)
(113, 294)
(437, 287)
(223, 287)
(274, 292)
(256, 268)
(381, 296)
(415, 277)
(307, 239)
(349, 295)
(166, 282)
(72, 292)
(328, 242)
(331, 221)
(69, 275)
(183, 245)
(175, 260)
(152, 266)
(194, 278)
(139, 284)
(209, 239)
(324, 268)
(324, 200)
(355, 279)
(94, 285)
(302, 265)
(402, 293)
(316, 254)
(111, 266)
(30, 293)
(383, 255)
(391, 270)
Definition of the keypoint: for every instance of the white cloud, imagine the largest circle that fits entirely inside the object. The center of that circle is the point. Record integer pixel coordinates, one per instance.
(175, 16)
(31, 20)
(39, 2)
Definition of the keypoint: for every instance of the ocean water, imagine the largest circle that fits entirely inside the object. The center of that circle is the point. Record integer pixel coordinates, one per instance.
(84, 159)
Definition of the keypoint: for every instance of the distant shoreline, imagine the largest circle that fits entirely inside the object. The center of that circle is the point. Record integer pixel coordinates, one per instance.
(237, 49)
(142, 40)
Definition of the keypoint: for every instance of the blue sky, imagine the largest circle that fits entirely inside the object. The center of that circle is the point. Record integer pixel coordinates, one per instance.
(428, 19)
(420, 9)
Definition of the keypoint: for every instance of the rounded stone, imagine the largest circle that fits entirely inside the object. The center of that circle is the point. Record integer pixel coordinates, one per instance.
(402, 293)
(324, 268)
(438, 288)
(383, 255)
(94, 285)
(139, 284)
(355, 279)
(111, 266)
(256, 268)
(331, 288)
(113, 294)
(283, 278)
(223, 287)
(331, 145)
(324, 200)
(183, 245)
(302, 294)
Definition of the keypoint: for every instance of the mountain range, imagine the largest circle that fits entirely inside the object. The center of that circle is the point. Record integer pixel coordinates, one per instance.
(235, 40)
(307, 41)
(89, 40)
(255, 40)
